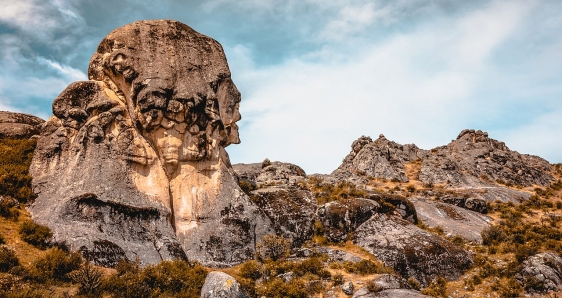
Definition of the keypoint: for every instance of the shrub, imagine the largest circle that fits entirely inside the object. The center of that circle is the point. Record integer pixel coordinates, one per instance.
(35, 234)
(15, 158)
(273, 247)
(8, 258)
(337, 279)
(277, 288)
(88, 277)
(365, 267)
(252, 270)
(167, 279)
(373, 287)
(55, 265)
(414, 283)
(311, 266)
(8, 210)
(437, 288)
(246, 186)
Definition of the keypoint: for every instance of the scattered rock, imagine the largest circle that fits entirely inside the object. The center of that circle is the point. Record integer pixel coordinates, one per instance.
(454, 220)
(347, 288)
(18, 125)
(474, 204)
(410, 250)
(541, 272)
(390, 281)
(287, 277)
(221, 285)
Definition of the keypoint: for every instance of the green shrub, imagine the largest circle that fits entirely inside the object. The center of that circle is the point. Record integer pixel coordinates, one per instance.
(273, 247)
(55, 265)
(35, 234)
(8, 258)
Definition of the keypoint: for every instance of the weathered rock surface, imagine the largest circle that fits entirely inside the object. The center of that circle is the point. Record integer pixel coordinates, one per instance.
(473, 158)
(347, 288)
(340, 218)
(470, 203)
(543, 270)
(221, 285)
(18, 125)
(410, 250)
(390, 281)
(270, 173)
(392, 293)
(474, 154)
(132, 164)
(291, 210)
(379, 159)
(454, 220)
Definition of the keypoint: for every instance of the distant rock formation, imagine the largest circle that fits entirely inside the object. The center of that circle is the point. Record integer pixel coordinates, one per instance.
(472, 161)
(18, 125)
(133, 165)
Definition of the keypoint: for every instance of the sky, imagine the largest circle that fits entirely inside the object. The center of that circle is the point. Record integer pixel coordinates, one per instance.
(316, 75)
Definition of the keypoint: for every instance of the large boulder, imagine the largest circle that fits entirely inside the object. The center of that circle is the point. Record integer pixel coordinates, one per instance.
(291, 210)
(133, 163)
(221, 285)
(410, 250)
(270, 173)
(340, 218)
(455, 221)
(541, 272)
(390, 293)
(18, 125)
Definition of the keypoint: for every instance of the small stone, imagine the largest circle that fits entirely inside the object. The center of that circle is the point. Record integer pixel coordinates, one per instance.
(347, 288)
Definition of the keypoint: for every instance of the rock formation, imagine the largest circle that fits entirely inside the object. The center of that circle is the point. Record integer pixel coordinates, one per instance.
(18, 125)
(410, 250)
(133, 162)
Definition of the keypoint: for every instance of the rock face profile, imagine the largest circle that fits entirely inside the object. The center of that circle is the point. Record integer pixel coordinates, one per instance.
(133, 164)
(18, 125)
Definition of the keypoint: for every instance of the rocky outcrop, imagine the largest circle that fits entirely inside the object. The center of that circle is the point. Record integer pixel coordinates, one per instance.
(470, 203)
(454, 220)
(133, 162)
(340, 218)
(18, 125)
(291, 210)
(379, 159)
(474, 154)
(270, 173)
(541, 272)
(221, 285)
(472, 160)
(410, 250)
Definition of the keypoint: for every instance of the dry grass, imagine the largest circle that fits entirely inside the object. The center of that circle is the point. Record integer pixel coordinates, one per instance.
(9, 230)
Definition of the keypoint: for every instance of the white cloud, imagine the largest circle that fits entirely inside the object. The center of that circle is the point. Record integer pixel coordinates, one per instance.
(69, 73)
(414, 87)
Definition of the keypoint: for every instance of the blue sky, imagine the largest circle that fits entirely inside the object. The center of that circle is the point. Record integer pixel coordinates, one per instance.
(316, 75)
